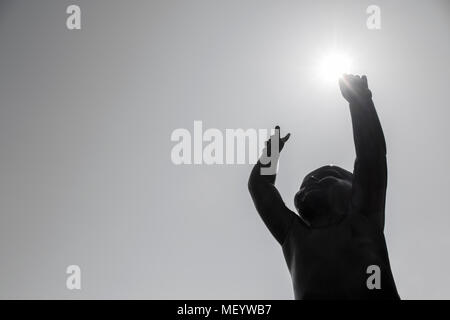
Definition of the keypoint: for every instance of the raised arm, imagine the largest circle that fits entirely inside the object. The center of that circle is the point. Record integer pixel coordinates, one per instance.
(370, 171)
(268, 202)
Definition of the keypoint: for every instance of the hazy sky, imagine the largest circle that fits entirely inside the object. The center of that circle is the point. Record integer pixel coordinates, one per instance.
(86, 117)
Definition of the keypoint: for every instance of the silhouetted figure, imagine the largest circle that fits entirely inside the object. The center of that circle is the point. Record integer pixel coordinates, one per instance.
(338, 233)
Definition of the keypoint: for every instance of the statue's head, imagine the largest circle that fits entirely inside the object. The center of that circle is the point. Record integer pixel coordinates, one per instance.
(324, 196)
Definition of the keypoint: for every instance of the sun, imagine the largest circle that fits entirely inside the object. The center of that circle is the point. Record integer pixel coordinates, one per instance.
(334, 65)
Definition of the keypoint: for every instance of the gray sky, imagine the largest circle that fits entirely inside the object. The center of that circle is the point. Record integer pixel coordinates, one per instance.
(86, 117)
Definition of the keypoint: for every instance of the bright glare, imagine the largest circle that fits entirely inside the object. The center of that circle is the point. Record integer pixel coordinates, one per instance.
(334, 65)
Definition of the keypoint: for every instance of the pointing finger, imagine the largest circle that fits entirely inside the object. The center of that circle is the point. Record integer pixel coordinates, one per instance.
(277, 131)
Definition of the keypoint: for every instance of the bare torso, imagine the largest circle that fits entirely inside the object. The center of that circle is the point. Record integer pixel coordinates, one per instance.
(332, 262)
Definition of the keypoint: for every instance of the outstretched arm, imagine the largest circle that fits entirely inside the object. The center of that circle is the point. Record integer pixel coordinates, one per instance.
(370, 171)
(268, 202)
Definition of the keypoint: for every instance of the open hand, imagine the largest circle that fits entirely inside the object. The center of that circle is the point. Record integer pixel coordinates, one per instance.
(281, 141)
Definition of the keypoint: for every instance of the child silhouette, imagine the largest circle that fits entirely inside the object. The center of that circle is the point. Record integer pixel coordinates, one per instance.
(338, 235)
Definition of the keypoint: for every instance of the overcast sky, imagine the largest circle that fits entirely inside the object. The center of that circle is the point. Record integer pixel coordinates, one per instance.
(86, 117)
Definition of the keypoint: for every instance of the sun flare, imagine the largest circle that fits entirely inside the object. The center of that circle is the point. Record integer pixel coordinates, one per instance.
(334, 65)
